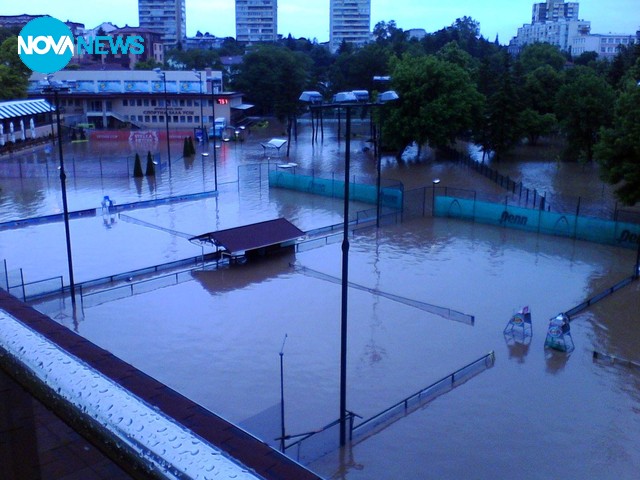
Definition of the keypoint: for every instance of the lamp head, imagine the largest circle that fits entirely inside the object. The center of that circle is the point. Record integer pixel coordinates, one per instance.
(388, 96)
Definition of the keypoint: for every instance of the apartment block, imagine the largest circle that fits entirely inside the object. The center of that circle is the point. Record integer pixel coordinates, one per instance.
(256, 21)
(350, 21)
(165, 16)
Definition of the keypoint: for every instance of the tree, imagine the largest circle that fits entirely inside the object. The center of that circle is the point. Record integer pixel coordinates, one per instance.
(196, 58)
(539, 86)
(147, 65)
(540, 54)
(14, 75)
(618, 150)
(272, 78)
(584, 105)
(356, 71)
(452, 53)
(535, 125)
(501, 129)
(438, 103)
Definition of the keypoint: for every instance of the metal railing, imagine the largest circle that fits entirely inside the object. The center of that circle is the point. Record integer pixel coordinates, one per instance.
(313, 445)
(424, 395)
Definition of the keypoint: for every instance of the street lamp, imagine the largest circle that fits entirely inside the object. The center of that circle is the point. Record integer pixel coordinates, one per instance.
(215, 154)
(384, 97)
(163, 75)
(56, 88)
(434, 182)
(199, 75)
(346, 102)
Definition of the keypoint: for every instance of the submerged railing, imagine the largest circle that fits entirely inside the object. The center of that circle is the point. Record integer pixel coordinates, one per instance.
(314, 445)
(413, 402)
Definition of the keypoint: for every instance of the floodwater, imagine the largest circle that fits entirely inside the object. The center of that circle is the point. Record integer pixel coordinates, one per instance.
(535, 414)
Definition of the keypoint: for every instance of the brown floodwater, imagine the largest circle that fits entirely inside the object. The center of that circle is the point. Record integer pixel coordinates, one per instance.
(535, 414)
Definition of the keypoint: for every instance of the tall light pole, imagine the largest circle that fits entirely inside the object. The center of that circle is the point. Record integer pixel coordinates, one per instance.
(163, 75)
(388, 96)
(63, 184)
(199, 75)
(215, 154)
(348, 104)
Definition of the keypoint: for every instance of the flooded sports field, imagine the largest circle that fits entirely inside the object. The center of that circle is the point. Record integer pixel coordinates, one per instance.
(217, 336)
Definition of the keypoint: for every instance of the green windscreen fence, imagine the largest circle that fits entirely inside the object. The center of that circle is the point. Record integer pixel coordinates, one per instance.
(540, 221)
(390, 196)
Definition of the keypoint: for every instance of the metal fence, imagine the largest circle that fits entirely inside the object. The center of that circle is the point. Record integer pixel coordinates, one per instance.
(313, 445)
(45, 165)
(413, 402)
(93, 299)
(91, 212)
(523, 196)
(600, 296)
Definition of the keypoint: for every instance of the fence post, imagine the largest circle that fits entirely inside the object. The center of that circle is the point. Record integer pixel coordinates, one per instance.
(24, 294)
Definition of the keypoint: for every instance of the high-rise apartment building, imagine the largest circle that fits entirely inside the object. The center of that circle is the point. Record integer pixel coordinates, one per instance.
(554, 10)
(350, 21)
(165, 16)
(554, 22)
(256, 21)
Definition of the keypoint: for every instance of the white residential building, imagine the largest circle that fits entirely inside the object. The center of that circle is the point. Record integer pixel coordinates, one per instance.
(606, 46)
(554, 10)
(558, 23)
(165, 16)
(554, 22)
(560, 33)
(350, 21)
(256, 21)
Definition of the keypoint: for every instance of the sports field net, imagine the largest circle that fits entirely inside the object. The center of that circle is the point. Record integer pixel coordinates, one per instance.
(443, 312)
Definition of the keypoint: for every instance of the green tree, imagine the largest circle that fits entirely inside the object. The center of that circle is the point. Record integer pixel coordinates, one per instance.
(584, 105)
(147, 65)
(197, 58)
(272, 78)
(618, 150)
(356, 71)
(539, 87)
(452, 53)
(540, 54)
(501, 123)
(438, 103)
(14, 75)
(535, 124)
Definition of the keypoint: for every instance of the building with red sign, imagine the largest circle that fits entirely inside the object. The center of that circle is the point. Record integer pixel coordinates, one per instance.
(143, 99)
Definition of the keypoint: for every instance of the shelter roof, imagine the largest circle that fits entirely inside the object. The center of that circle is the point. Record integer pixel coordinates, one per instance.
(23, 108)
(251, 237)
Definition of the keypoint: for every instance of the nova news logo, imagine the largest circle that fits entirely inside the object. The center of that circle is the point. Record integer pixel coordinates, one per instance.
(46, 45)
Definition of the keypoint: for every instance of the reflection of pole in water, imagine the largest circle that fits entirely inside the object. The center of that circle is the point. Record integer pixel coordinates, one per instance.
(373, 351)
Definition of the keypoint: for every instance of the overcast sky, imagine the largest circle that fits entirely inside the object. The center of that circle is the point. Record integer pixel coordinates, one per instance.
(310, 18)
